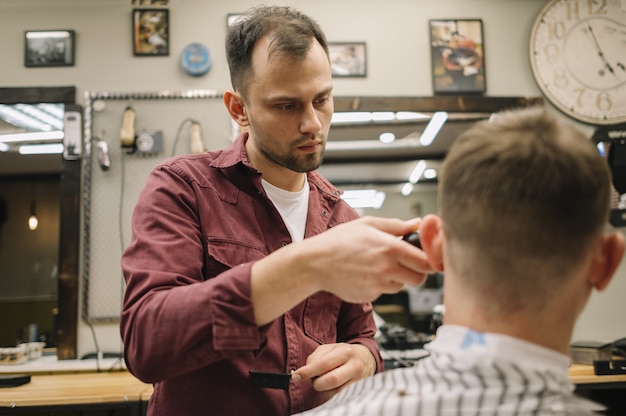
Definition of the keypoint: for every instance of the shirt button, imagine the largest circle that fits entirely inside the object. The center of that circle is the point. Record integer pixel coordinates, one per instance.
(324, 213)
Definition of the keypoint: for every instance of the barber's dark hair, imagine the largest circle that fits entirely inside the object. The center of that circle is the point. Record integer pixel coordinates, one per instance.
(293, 34)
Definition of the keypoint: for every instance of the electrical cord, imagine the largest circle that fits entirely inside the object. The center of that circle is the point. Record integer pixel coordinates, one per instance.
(120, 226)
(99, 355)
(180, 128)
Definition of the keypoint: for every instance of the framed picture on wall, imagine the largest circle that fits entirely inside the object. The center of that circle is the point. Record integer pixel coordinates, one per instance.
(348, 59)
(49, 48)
(151, 32)
(457, 56)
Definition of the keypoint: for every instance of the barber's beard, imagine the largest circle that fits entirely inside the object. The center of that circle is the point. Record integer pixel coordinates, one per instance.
(288, 158)
(302, 163)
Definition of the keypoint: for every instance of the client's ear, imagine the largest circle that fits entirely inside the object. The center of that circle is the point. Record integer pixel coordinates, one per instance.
(431, 238)
(607, 259)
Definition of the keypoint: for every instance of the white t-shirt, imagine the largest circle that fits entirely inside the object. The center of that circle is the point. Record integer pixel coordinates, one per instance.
(292, 206)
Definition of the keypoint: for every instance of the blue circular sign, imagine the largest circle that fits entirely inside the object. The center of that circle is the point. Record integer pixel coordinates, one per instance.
(196, 59)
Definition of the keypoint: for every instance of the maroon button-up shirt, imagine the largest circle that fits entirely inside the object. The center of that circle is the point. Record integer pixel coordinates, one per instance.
(187, 320)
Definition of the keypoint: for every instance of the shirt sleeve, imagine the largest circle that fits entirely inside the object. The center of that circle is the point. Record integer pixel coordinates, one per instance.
(357, 326)
(173, 321)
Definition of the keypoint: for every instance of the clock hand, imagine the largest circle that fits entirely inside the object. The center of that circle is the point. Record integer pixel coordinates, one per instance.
(589, 30)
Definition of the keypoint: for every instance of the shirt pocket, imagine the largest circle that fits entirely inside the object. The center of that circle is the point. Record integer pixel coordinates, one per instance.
(224, 254)
(321, 313)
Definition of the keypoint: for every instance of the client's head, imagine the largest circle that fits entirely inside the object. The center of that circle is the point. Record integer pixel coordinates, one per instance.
(523, 200)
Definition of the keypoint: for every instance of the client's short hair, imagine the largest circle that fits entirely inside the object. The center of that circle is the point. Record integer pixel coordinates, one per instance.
(522, 196)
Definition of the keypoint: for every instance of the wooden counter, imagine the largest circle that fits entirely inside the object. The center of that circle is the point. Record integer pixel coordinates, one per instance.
(120, 389)
(583, 376)
(116, 389)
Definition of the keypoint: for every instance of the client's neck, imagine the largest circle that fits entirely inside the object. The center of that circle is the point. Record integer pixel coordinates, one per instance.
(549, 328)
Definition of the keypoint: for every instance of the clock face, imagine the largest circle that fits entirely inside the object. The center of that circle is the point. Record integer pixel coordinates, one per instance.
(578, 58)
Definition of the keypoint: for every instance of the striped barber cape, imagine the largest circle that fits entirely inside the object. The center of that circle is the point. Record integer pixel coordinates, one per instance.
(467, 374)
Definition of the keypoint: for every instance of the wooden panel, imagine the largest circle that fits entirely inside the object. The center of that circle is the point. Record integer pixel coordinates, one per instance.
(69, 239)
(36, 95)
(451, 103)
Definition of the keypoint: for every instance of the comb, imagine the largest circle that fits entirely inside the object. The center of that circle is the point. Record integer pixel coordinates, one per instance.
(14, 380)
(269, 380)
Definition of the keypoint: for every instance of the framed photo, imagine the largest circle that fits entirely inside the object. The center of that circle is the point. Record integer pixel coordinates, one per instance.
(457, 56)
(348, 59)
(49, 48)
(151, 32)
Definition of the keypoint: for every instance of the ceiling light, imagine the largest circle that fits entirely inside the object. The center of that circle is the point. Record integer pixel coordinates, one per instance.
(407, 188)
(366, 116)
(4, 147)
(430, 173)
(33, 117)
(383, 116)
(19, 119)
(57, 110)
(351, 117)
(417, 171)
(387, 137)
(33, 221)
(432, 128)
(40, 115)
(364, 198)
(41, 149)
(410, 115)
(32, 137)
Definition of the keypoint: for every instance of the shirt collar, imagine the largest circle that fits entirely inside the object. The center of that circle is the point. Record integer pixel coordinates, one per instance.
(465, 342)
(236, 153)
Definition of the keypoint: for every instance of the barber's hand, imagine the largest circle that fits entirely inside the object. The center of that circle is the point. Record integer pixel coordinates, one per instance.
(333, 366)
(364, 258)
(356, 261)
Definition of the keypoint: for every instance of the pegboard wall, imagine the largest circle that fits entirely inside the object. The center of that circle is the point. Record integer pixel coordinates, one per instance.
(110, 194)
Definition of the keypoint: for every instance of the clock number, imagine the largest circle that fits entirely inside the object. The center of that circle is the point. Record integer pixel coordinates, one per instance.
(556, 30)
(603, 102)
(573, 10)
(596, 6)
(552, 53)
(579, 95)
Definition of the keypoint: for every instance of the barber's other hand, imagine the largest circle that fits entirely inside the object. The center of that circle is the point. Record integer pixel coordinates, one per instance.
(361, 259)
(333, 366)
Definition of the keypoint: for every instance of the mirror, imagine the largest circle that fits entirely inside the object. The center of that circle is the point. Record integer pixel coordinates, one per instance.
(388, 150)
(39, 274)
(31, 138)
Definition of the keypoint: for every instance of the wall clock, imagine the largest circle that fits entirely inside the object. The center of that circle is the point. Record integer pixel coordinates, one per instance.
(196, 59)
(578, 58)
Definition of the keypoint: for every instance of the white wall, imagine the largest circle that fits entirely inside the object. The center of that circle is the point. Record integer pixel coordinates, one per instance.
(396, 33)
